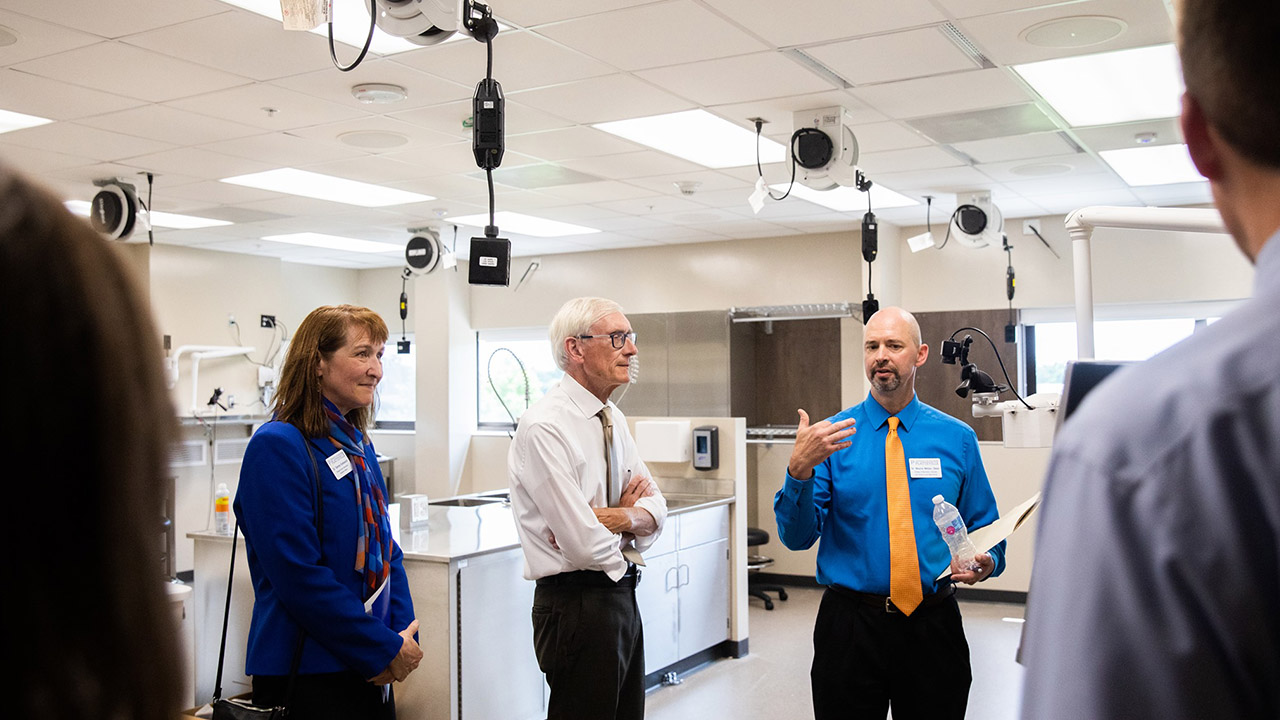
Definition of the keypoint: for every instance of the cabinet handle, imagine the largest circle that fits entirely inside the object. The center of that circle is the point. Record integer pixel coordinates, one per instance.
(666, 580)
(686, 576)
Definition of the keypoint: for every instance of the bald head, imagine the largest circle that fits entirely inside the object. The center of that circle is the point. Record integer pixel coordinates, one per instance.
(896, 317)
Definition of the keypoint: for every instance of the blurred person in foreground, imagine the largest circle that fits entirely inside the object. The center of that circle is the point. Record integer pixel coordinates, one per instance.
(1156, 588)
(348, 597)
(87, 630)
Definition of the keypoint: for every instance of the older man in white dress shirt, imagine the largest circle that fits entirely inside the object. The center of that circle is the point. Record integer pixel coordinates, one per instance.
(585, 509)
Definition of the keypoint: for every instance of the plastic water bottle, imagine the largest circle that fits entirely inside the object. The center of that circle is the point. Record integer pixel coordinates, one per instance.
(951, 525)
(222, 510)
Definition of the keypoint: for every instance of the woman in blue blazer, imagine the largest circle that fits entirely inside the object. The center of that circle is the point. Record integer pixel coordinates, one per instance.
(342, 594)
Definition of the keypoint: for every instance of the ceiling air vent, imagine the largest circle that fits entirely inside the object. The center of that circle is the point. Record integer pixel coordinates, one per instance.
(957, 38)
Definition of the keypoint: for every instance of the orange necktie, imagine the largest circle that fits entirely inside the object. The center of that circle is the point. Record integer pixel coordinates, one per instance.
(904, 565)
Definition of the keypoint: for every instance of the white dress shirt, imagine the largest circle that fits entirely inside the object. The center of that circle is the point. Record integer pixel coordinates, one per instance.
(557, 474)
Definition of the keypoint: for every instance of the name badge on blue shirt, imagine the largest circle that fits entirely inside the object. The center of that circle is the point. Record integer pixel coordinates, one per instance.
(925, 467)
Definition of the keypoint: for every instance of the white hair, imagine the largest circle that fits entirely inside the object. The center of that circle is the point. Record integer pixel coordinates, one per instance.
(575, 318)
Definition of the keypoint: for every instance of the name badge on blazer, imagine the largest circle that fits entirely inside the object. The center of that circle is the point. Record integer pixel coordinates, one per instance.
(341, 466)
(926, 467)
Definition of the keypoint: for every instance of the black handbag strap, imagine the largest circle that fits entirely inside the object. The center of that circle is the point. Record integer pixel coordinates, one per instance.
(317, 507)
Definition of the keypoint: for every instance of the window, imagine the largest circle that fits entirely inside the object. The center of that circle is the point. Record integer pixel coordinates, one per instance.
(1145, 332)
(500, 355)
(397, 393)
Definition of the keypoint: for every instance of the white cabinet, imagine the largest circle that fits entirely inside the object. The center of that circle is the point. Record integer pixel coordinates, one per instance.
(495, 640)
(684, 592)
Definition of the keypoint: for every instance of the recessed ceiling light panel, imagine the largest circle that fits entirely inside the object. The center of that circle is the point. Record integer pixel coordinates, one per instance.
(697, 136)
(1112, 87)
(334, 242)
(326, 187)
(1153, 165)
(521, 224)
(848, 199)
(10, 121)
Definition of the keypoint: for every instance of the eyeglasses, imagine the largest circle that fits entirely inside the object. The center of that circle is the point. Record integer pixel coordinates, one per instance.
(618, 339)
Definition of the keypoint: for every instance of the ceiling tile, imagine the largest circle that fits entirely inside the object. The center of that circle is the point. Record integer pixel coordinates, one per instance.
(168, 124)
(948, 94)
(1060, 185)
(262, 50)
(248, 104)
(1023, 170)
(43, 97)
(596, 100)
(924, 158)
(805, 22)
(1197, 193)
(602, 194)
(971, 8)
(894, 56)
(283, 150)
(633, 165)
(37, 38)
(1117, 137)
(709, 180)
(665, 33)
(984, 124)
(736, 79)
(119, 17)
(423, 89)
(332, 133)
(133, 72)
(919, 183)
(1069, 202)
(1021, 147)
(1000, 36)
(521, 61)
(80, 140)
(529, 14)
(878, 137)
(778, 112)
(570, 143)
(199, 162)
(33, 160)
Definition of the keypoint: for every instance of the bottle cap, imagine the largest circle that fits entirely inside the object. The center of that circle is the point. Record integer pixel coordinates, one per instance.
(938, 499)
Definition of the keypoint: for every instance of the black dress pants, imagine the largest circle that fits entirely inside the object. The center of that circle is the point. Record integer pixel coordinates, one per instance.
(589, 643)
(866, 659)
(325, 696)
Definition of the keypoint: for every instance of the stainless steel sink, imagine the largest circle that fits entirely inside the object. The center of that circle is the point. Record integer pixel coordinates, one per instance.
(466, 501)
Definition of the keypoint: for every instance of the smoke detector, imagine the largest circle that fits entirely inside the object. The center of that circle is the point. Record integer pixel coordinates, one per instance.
(687, 187)
(378, 93)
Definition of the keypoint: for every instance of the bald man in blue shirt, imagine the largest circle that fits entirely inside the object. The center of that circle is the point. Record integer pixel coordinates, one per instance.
(869, 653)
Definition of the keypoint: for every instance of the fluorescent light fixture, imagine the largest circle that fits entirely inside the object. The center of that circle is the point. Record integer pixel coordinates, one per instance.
(326, 187)
(158, 219)
(848, 199)
(350, 27)
(1112, 87)
(1153, 165)
(522, 224)
(697, 136)
(334, 242)
(10, 120)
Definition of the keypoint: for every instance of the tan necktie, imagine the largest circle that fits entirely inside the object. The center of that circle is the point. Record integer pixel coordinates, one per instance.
(904, 565)
(612, 486)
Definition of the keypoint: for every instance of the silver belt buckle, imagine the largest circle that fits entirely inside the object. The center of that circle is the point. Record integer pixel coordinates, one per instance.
(889, 606)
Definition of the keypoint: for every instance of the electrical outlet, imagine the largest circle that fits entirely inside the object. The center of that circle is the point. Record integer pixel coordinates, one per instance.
(231, 319)
(231, 401)
(267, 321)
(1030, 227)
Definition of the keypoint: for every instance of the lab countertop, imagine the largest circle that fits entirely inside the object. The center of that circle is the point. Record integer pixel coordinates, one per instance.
(455, 533)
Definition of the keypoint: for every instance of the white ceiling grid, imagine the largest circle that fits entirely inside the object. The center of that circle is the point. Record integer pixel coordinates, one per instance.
(198, 90)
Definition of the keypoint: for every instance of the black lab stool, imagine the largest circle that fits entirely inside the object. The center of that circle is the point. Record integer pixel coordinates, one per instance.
(755, 563)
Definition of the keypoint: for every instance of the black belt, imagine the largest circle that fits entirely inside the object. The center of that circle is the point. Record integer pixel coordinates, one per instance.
(882, 602)
(594, 578)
